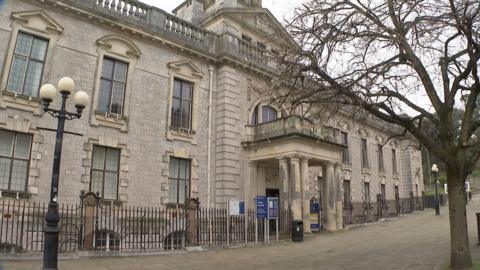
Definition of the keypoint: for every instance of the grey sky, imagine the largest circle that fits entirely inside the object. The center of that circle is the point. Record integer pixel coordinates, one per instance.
(279, 8)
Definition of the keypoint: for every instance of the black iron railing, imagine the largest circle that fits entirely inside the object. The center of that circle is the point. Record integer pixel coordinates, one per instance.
(113, 227)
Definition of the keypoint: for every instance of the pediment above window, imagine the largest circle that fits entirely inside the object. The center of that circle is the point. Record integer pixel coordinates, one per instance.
(37, 20)
(186, 67)
(120, 46)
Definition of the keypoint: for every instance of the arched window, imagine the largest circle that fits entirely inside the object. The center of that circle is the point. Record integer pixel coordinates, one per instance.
(266, 114)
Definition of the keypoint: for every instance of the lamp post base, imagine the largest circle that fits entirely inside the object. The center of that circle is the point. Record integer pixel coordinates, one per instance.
(51, 233)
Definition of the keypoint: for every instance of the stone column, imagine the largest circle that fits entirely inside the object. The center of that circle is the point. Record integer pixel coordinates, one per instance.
(296, 187)
(283, 178)
(339, 197)
(251, 185)
(331, 223)
(305, 195)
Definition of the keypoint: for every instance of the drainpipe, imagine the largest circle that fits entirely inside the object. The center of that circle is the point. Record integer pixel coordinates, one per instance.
(209, 136)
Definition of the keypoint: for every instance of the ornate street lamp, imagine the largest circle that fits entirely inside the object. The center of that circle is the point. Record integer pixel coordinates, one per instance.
(48, 93)
(435, 176)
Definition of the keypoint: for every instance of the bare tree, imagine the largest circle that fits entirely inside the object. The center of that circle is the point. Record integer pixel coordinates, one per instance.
(404, 62)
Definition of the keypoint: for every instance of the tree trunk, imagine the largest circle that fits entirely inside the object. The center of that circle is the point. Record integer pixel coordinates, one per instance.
(460, 257)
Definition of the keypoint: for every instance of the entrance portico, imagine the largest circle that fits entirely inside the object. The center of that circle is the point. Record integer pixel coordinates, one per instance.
(292, 152)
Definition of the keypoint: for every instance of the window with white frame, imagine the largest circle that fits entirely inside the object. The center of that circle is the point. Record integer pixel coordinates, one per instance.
(105, 171)
(179, 180)
(26, 70)
(182, 98)
(112, 86)
(14, 160)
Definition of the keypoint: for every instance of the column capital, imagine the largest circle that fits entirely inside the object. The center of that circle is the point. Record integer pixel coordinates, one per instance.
(282, 159)
(304, 159)
(252, 163)
(294, 159)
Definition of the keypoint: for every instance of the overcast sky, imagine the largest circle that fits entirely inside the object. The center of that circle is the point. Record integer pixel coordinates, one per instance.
(279, 8)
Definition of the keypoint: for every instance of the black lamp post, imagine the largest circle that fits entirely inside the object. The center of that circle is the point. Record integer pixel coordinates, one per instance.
(48, 93)
(435, 176)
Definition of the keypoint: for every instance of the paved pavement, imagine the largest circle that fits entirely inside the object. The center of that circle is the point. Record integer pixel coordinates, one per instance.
(414, 242)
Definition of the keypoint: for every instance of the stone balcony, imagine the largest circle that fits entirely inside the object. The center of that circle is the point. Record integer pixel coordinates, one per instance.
(289, 127)
(173, 29)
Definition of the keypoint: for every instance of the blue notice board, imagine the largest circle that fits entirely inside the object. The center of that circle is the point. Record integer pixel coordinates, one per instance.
(262, 203)
(272, 207)
(242, 207)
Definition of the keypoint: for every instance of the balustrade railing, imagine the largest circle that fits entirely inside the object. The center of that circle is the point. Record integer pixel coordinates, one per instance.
(290, 126)
(183, 28)
(128, 8)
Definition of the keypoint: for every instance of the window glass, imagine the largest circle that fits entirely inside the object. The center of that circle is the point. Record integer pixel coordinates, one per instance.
(345, 151)
(39, 49)
(24, 43)
(22, 146)
(105, 169)
(4, 172)
(268, 114)
(112, 86)
(14, 160)
(27, 65)
(179, 180)
(364, 152)
(394, 161)
(181, 104)
(6, 143)
(381, 166)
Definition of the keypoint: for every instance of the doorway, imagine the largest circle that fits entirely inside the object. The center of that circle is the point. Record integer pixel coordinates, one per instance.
(272, 192)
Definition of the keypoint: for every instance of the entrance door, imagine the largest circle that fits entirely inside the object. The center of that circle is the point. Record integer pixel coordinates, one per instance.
(271, 192)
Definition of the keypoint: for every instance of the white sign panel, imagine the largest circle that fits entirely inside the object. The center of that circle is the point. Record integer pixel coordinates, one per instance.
(234, 208)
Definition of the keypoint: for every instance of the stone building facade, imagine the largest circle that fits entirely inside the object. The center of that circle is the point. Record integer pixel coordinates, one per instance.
(173, 113)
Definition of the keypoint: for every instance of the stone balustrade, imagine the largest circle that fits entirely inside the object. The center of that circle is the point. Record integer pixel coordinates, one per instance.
(183, 28)
(291, 125)
(178, 31)
(128, 8)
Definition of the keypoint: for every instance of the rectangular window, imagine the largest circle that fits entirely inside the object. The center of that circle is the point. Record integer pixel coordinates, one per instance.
(364, 152)
(366, 193)
(347, 197)
(345, 151)
(28, 61)
(113, 81)
(179, 180)
(182, 104)
(383, 192)
(394, 161)
(14, 160)
(105, 170)
(381, 166)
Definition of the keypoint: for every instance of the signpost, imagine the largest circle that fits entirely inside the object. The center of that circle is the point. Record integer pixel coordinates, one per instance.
(314, 216)
(273, 214)
(235, 208)
(262, 210)
(267, 208)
